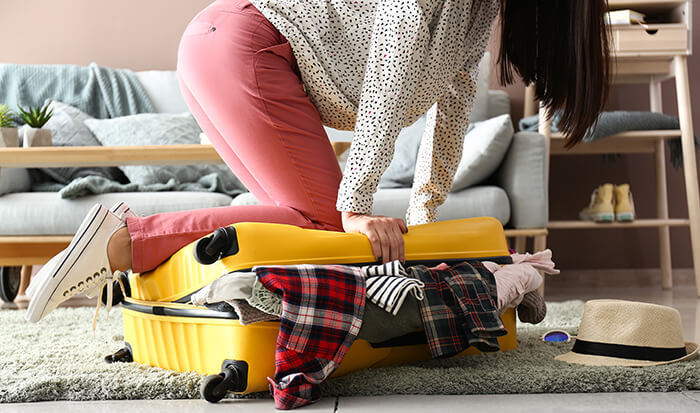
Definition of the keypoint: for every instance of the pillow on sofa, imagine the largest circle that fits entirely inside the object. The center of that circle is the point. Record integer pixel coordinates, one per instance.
(67, 129)
(160, 129)
(485, 146)
(399, 174)
(480, 111)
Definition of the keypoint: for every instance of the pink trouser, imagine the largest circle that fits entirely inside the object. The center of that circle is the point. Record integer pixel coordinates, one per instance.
(240, 79)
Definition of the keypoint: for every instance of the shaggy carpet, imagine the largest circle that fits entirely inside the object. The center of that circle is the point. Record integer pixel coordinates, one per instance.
(59, 359)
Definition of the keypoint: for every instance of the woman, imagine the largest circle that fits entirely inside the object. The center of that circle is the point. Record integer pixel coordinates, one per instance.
(262, 79)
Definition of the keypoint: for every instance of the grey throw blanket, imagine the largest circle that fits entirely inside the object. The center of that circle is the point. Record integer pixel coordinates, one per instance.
(100, 92)
(611, 123)
(91, 185)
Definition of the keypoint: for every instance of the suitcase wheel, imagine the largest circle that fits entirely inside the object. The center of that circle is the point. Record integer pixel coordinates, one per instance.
(222, 243)
(122, 355)
(9, 283)
(233, 377)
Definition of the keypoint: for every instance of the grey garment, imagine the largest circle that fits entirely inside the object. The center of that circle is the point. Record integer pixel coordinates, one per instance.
(232, 286)
(611, 123)
(532, 309)
(248, 314)
(379, 325)
(101, 92)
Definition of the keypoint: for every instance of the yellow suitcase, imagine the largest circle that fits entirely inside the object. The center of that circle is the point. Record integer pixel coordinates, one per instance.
(177, 336)
(242, 246)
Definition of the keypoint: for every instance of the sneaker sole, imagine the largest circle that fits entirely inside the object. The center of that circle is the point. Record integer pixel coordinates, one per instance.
(88, 228)
(601, 217)
(624, 216)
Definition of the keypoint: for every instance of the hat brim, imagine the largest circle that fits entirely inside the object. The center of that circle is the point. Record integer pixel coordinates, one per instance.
(691, 350)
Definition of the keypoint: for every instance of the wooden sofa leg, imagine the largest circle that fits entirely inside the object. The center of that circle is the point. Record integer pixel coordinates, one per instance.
(24, 278)
(520, 244)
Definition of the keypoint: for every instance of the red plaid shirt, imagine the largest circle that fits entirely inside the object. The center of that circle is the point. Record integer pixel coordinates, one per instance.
(322, 309)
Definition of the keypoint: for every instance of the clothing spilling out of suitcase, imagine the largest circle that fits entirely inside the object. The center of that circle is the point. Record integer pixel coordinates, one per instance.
(313, 190)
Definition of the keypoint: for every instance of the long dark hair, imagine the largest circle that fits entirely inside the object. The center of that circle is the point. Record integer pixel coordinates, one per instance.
(560, 46)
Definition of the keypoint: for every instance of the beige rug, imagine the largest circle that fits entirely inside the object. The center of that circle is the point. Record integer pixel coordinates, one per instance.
(59, 359)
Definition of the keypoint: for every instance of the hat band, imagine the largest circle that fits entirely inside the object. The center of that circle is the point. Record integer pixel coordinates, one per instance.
(628, 352)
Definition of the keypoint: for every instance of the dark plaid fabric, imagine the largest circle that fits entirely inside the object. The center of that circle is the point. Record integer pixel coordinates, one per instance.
(459, 309)
(322, 309)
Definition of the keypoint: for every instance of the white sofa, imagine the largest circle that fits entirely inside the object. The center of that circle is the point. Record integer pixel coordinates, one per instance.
(516, 195)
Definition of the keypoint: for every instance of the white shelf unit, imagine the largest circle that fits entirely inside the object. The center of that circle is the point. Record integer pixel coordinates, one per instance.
(647, 55)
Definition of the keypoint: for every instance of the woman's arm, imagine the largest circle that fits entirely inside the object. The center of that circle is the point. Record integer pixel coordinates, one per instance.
(441, 146)
(397, 49)
(396, 52)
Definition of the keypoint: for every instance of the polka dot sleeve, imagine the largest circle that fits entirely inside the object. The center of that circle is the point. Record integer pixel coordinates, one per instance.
(397, 48)
(446, 127)
(441, 147)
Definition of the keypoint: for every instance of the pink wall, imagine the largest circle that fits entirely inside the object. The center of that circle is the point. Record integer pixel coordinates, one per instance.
(135, 34)
(144, 34)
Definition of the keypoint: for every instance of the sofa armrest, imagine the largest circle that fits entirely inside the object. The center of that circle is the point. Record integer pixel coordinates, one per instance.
(524, 176)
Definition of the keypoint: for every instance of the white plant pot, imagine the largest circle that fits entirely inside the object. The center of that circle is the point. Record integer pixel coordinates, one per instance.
(36, 137)
(9, 137)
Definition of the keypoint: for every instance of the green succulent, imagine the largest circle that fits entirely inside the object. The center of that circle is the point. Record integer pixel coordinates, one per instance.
(35, 117)
(7, 117)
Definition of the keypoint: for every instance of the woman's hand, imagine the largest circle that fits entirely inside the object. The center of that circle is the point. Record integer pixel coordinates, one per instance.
(384, 234)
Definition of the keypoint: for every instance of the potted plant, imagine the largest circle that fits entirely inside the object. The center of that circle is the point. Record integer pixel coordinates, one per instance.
(9, 136)
(35, 118)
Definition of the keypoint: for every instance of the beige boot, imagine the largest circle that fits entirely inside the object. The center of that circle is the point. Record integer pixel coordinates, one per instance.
(624, 204)
(601, 208)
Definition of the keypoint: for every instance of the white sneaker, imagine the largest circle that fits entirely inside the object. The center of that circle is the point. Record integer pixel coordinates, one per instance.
(83, 266)
(121, 210)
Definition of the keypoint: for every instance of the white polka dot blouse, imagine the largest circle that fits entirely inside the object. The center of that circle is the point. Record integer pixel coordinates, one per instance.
(375, 67)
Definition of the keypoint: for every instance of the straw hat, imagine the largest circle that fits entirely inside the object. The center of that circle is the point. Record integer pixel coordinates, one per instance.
(628, 333)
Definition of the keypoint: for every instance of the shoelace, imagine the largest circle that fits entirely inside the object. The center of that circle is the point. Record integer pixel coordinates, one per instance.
(92, 283)
(109, 278)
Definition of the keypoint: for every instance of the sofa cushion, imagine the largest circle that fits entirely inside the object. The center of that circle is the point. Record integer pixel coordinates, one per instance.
(484, 148)
(163, 88)
(478, 201)
(45, 213)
